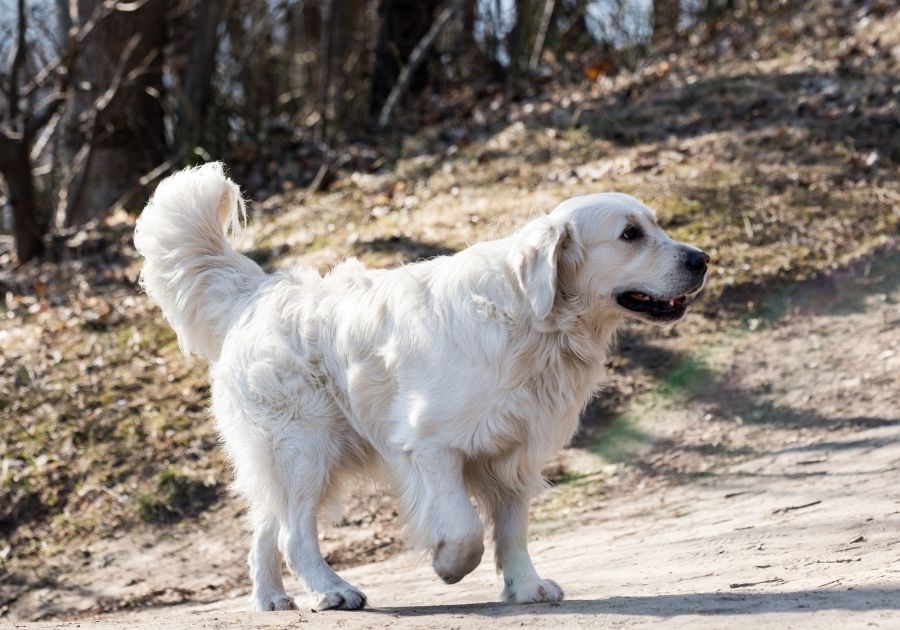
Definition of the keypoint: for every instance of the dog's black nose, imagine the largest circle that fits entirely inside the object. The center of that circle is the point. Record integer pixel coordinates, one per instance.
(696, 260)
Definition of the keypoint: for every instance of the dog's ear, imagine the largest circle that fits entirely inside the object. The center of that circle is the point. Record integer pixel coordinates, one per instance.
(535, 260)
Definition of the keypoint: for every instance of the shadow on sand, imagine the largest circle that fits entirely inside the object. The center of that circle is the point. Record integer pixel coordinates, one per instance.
(705, 604)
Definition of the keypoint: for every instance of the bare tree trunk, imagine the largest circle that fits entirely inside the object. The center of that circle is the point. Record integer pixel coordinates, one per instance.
(18, 126)
(329, 19)
(29, 231)
(715, 9)
(16, 135)
(524, 33)
(666, 14)
(196, 90)
(128, 136)
(304, 46)
(470, 16)
(403, 25)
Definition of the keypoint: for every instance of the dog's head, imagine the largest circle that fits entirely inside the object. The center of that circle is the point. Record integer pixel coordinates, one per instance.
(605, 252)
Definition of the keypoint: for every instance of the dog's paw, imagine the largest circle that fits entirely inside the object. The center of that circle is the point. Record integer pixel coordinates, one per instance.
(453, 560)
(342, 597)
(532, 592)
(278, 601)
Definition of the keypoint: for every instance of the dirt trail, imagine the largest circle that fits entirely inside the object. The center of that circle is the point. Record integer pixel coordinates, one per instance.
(783, 436)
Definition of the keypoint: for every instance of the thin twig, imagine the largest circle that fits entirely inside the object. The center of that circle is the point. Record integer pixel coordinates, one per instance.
(43, 134)
(746, 584)
(316, 183)
(145, 179)
(791, 508)
(416, 57)
(44, 112)
(541, 37)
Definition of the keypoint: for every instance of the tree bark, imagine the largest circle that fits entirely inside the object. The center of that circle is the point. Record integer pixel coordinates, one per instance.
(128, 135)
(197, 81)
(304, 49)
(18, 126)
(524, 32)
(666, 14)
(329, 19)
(403, 25)
(29, 232)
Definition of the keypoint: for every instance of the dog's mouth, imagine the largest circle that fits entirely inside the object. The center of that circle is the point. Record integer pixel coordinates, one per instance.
(658, 309)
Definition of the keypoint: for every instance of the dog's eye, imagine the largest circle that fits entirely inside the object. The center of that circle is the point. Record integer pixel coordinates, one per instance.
(631, 233)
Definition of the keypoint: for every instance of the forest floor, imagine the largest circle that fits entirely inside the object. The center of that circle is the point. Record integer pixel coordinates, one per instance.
(773, 146)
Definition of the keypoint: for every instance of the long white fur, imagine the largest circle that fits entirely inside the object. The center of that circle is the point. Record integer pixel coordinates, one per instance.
(191, 271)
(452, 378)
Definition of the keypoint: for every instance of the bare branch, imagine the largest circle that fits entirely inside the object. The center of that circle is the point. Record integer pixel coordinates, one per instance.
(541, 36)
(44, 112)
(416, 57)
(103, 101)
(147, 178)
(127, 7)
(67, 14)
(43, 135)
(77, 35)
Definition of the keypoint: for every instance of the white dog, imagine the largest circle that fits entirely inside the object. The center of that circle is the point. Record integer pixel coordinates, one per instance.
(452, 379)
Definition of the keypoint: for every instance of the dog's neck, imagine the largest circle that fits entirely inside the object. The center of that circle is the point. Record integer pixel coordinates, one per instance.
(558, 371)
(588, 337)
(573, 356)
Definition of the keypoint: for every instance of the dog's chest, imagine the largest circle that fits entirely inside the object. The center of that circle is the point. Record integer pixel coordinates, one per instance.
(538, 414)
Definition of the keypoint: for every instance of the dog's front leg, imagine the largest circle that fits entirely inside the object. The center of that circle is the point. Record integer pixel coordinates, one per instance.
(522, 584)
(438, 510)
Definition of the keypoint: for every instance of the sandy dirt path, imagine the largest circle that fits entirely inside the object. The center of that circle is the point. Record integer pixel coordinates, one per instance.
(801, 537)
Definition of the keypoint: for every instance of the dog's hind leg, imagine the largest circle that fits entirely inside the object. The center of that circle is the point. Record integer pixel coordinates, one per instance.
(438, 510)
(284, 474)
(300, 540)
(522, 584)
(259, 482)
(265, 568)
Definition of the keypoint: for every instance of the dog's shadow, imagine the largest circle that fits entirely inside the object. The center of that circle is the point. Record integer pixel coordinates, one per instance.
(674, 605)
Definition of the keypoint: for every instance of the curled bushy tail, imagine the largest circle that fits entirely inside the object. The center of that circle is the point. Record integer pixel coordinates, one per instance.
(190, 269)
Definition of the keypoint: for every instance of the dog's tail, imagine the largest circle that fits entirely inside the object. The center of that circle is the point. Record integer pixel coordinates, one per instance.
(190, 269)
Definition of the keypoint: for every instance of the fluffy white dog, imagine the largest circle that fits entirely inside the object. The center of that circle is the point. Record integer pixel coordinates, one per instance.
(452, 379)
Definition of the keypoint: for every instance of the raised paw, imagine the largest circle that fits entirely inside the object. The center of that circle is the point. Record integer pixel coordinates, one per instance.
(343, 597)
(531, 592)
(453, 560)
(278, 601)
